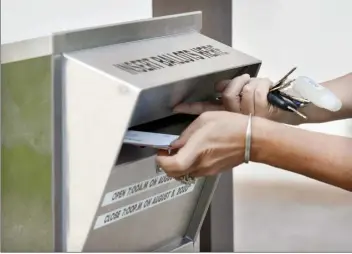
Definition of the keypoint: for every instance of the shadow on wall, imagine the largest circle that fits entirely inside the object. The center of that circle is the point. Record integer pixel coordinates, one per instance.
(291, 216)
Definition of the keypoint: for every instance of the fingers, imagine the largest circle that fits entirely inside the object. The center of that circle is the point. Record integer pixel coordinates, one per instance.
(247, 103)
(221, 86)
(196, 125)
(163, 153)
(261, 104)
(242, 95)
(197, 108)
(186, 134)
(164, 163)
(181, 163)
(231, 95)
(254, 97)
(231, 90)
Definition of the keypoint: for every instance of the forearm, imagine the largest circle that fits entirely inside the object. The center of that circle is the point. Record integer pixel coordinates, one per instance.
(319, 156)
(342, 88)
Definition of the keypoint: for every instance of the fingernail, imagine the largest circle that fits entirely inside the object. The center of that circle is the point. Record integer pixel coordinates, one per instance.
(174, 142)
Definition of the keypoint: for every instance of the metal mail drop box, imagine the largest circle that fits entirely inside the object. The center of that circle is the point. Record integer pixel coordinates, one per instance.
(107, 80)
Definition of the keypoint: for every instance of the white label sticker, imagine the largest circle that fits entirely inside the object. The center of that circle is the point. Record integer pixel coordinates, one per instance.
(126, 211)
(136, 188)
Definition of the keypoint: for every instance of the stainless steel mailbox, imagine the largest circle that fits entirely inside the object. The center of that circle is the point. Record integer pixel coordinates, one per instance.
(108, 195)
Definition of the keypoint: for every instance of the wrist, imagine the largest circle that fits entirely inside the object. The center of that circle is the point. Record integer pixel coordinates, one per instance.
(292, 119)
(263, 133)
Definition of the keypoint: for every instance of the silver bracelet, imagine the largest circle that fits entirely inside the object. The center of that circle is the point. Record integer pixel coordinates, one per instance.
(247, 150)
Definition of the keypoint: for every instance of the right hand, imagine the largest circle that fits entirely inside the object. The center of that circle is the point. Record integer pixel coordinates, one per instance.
(203, 150)
(242, 94)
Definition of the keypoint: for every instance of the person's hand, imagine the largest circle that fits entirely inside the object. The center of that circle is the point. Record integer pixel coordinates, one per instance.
(214, 142)
(243, 95)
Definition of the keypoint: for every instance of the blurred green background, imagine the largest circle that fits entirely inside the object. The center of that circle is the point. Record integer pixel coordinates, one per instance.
(26, 223)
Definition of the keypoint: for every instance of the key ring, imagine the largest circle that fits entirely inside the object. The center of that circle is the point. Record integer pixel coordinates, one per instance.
(187, 179)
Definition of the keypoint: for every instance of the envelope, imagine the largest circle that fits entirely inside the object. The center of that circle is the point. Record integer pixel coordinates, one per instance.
(149, 139)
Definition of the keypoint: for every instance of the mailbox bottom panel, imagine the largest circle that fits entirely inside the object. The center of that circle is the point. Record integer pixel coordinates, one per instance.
(186, 248)
(184, 245)
(143, 210)
(154, 221)
(189, 247)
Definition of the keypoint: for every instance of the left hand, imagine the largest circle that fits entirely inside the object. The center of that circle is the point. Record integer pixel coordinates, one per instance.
(214, 142)
(243, 95)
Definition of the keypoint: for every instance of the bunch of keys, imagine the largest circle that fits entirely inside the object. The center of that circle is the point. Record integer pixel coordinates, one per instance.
(187, 179)
(284, 101)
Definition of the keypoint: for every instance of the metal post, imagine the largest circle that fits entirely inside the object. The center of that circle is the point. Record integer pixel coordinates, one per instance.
(217, 234)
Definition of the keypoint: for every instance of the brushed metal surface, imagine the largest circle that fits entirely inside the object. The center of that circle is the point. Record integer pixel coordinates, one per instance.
(154, 227)
(164, 88)
(99, 103)
(25, 50)
(125, 32)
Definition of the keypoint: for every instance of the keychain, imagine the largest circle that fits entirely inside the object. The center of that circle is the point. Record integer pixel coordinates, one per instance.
(317, 94)
(284, 101)
(309, 90)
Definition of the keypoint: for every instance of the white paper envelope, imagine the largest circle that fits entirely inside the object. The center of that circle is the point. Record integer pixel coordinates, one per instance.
(149, 139)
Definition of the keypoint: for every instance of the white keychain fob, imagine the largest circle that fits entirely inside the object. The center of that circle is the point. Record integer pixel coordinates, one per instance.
(317, 94)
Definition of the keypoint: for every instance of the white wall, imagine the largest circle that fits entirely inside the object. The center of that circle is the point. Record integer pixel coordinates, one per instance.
(276, 210)
(27, 19)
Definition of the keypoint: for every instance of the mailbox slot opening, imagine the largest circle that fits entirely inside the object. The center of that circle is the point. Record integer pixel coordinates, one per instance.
(174, 124)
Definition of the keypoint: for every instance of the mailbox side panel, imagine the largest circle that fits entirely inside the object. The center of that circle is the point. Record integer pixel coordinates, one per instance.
(26, 207)
(96, 112)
